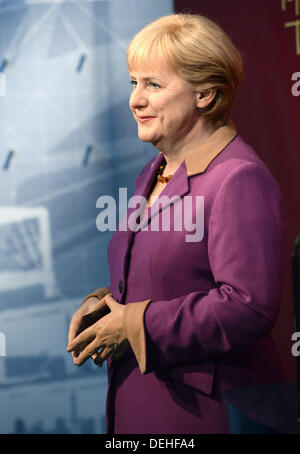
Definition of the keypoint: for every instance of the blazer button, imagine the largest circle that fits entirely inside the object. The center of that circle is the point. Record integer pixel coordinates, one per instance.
(120, 286)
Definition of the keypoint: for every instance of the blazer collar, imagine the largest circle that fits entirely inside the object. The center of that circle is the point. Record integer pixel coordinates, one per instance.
(198, 160)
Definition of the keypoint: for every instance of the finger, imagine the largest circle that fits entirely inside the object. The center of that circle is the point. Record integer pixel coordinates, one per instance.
(85, 354)
(100, 304)
(75, 353)
(84, 337)
(95, 356)
(73, 329)
(104, 354)
(110, 301)
(97, 359)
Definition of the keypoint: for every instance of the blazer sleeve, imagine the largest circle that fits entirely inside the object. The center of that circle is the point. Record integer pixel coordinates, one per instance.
(246, 244)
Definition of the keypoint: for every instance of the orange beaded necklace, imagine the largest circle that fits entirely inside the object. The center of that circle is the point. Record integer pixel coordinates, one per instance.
(160, 171)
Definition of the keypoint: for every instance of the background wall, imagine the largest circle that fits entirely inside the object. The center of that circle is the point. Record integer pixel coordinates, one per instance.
(267, 113)
(67, 137)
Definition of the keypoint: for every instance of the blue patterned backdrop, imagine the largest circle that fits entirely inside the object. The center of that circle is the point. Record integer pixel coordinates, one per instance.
(67, 137)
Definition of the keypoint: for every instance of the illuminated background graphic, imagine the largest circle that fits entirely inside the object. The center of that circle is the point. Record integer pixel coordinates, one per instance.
(67, 137)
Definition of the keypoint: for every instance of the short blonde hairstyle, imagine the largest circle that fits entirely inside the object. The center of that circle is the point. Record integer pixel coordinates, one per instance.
(198, 50)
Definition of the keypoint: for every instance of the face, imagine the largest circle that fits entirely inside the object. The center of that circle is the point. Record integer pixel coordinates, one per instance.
(164, 106)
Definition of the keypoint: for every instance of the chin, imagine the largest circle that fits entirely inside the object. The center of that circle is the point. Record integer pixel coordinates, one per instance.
(146, 138)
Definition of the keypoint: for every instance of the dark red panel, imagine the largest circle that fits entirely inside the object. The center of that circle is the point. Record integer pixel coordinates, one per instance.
(266, 113)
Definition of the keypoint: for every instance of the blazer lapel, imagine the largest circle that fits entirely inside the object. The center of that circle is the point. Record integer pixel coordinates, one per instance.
(176, 188)
(143, 185)
(144, 182)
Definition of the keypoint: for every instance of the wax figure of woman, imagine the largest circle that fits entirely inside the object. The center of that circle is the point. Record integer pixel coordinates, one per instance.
(184, 316)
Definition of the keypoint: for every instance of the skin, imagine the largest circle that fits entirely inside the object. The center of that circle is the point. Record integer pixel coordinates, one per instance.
(104, 334)
(86, 315)
(175, 128)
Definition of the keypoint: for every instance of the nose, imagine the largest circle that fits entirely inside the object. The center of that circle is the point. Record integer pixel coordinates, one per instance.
(138, 98)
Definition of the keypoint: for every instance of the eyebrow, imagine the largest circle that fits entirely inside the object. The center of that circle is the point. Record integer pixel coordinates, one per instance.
(146, 78)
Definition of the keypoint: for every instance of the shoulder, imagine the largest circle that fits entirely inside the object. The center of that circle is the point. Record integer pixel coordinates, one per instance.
(245, 165)
(236, 180)
(238, 161)
(244, 183)
(237, 154)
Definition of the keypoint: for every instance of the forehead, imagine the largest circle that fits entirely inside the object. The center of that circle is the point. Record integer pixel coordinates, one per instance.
(148, 60)
(149, 69)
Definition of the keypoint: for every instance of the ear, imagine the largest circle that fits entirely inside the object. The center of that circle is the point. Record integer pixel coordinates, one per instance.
(205, 97)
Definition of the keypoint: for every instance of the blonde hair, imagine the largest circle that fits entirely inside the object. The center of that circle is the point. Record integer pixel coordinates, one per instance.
(198, 50)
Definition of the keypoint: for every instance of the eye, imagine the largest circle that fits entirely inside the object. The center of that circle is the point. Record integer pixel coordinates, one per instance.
(133, 83)
(154, 85)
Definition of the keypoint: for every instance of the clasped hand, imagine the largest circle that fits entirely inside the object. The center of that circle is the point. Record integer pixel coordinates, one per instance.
(106, 334)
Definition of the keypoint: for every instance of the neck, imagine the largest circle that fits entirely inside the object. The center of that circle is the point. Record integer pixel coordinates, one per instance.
(176, 153)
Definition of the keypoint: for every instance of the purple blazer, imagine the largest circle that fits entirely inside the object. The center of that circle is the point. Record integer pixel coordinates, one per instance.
(201, 312)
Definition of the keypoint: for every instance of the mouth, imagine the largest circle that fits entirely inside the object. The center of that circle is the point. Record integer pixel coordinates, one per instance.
(144, 119)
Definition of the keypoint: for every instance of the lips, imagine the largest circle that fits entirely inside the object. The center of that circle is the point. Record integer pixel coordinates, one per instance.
(144, 118)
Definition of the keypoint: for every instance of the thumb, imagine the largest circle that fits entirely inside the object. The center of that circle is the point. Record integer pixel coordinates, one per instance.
(111, 303)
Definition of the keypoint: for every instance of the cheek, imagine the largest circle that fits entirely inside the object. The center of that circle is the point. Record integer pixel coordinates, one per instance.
(177, 115)
(179, 105)
(173, 112)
